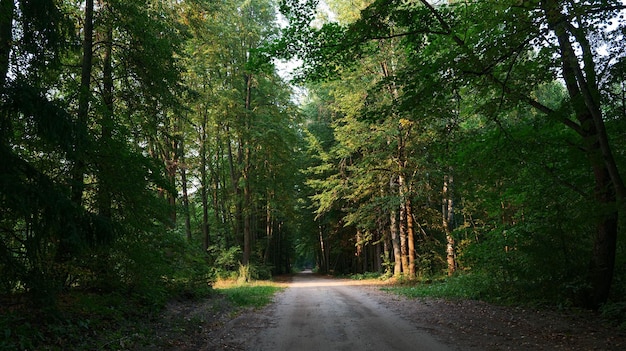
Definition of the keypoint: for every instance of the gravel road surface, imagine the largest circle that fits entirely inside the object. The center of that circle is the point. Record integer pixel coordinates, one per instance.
(320, 314)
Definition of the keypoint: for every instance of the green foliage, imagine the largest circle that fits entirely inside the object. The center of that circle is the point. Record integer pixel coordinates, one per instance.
(224, 262)
(615, 313)
(18, 333)
(154, 266)
(527, 229)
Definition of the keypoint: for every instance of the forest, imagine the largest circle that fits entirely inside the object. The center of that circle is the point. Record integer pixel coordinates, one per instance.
(150, 148)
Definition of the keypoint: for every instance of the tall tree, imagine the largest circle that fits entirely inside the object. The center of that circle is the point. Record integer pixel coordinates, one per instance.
(580, 74)
(244, 126)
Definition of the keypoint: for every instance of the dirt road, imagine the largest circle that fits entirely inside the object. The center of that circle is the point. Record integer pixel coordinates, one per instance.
(321, 314)
(325, 314)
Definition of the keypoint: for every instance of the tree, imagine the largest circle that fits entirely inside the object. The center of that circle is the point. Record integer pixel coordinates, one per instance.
(245, 131)
(81, 171)
(572, 29)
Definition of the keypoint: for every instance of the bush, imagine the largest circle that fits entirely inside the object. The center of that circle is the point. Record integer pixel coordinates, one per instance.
(529, 262)
(251, 272)
(150, 266)
(224, 261)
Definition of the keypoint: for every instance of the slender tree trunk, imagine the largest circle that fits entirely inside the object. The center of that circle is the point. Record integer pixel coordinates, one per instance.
(287, 259)
(410, 236)
(447, 214)
(218, 181)
(247, 196)
(386, 246)
(395, 238)
(172, 170)
(324, 251)
(378, 254)
(206, 241)
(268, 227)
(104, 190)
(398, 227)
(184, 185)
(404, 248)
(360, 254)
(247, 213)
(7, 11)
(276, 257)
(234, 180)
(78, 171)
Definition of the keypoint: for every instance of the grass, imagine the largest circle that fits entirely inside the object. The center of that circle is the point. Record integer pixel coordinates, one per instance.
(462, 286)
(255, 294)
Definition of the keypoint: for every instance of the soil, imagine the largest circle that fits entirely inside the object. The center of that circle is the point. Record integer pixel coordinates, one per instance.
(213, 324)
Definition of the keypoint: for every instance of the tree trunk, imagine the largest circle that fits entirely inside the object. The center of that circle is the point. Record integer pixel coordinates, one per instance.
(324, 254)
(269, 230)
(359, 254)
(410, 236)
(7, 11)
(378, 255)
(395, 238)
(84, 95)
(247, 213)
(447, 214)
(218, 181)
(172, 170)
(184, 185)
(234, 180)
(386, 256)
(106, 124)
(204, 182)
(404, 248)
(247, 196)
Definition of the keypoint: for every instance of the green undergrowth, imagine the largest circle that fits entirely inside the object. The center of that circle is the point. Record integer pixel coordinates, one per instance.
(462, 286)
(478, 287)
(367, 276)
(85, 321)
(113, 321)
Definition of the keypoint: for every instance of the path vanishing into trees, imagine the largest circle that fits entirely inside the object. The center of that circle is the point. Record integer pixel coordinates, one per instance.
(317, 313)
